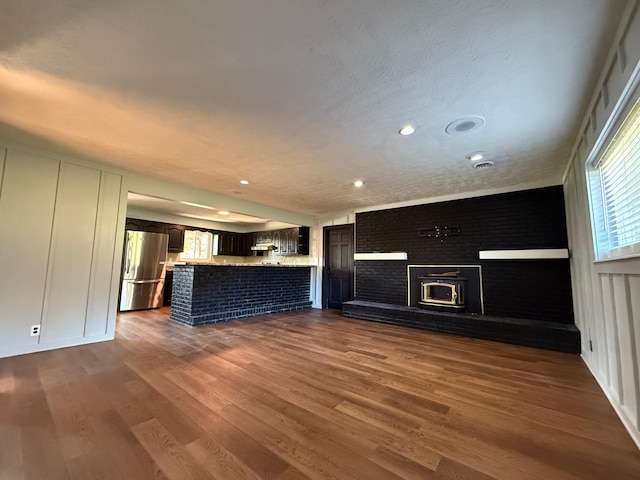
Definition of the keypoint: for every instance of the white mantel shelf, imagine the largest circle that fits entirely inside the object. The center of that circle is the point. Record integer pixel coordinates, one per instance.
(381, 256)
(534, 254)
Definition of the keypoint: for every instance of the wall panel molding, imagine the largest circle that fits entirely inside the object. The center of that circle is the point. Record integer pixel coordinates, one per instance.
(607, 293)
(62, 227)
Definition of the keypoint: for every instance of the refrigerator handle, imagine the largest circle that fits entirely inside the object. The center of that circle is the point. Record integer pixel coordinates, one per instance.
(127, 259)
(144, 281)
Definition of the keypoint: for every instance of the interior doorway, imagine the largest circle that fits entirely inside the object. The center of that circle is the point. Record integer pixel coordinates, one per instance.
(338, 266)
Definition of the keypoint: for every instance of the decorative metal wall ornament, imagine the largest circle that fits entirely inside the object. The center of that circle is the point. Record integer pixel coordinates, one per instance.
(439, 232)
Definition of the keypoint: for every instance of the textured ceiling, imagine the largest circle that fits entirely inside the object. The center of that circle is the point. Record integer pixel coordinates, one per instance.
(189, 210)
(231, 220)
(303, 97)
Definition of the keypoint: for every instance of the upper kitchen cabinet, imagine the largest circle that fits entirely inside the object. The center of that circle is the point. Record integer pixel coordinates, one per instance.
(291, 241)
(263, 237)
(175, 232)
(244, 242)
(277, 242)
(176, 238)
(303, 241)
(145, 226)
(226, 243)
(235, 244)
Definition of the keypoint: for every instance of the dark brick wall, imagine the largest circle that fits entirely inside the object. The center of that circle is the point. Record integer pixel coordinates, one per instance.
(181, 293)
(531, 219)
(209, 293)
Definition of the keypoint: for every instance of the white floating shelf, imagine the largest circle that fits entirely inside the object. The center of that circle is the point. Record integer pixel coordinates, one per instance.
(381, 256)
(539, 254)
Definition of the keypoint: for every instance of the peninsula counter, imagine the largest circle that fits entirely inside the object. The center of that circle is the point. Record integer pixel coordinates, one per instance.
(208, 293)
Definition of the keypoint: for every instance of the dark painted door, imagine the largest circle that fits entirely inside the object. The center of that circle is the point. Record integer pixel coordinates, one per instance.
(338, 261)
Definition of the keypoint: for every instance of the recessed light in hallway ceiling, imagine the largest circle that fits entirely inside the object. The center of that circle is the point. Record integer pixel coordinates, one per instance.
(244, 182)
(475, 156)
(407, 130)
(358, 183)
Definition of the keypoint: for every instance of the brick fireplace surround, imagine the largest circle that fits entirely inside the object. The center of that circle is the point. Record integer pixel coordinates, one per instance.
(526, 302)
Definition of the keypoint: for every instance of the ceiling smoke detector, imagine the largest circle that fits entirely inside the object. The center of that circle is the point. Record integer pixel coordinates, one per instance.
(464, 125)
(484, 164)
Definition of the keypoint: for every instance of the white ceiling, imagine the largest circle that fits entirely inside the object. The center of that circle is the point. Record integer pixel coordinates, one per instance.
(188, 210)
(303, 97)
(144, 204)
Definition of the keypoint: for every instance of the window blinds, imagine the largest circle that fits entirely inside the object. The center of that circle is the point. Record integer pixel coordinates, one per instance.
(619, 169)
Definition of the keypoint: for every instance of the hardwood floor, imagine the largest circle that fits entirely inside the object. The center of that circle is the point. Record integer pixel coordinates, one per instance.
(304, 395)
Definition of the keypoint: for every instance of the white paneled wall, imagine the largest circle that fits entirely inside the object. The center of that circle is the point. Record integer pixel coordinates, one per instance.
(60, 228)
(69, 270)
(27, 198)
(607, 294)
(105, 279)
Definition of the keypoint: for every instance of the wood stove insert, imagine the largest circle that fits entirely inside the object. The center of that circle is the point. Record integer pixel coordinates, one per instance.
(445, 288)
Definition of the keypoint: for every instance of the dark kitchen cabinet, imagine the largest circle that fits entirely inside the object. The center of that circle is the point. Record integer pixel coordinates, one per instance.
(145, 226)
(237, 244)
(291, 241)
(303, 241)
(243, 244)
(176, 238)
(226, 242)
(175, 232)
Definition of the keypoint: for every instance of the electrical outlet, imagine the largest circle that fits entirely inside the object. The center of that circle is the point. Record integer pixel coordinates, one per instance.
(35, 330)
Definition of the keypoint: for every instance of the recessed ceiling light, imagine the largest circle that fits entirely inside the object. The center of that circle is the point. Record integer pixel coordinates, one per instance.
(223, 212)
(407, 130)
(464, 125)
(199, 205)
(475, 156)
(244, 182)
(358, 183)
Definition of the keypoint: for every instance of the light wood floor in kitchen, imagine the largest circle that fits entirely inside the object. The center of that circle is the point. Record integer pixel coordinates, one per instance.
(301, 395)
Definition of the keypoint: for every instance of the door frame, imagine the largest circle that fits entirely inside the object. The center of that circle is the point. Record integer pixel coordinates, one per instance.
(325, 257)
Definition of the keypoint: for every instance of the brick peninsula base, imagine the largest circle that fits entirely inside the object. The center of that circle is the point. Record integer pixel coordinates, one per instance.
(205, 294)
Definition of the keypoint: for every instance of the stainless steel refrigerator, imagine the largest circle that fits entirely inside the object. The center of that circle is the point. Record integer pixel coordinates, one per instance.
(143, 271)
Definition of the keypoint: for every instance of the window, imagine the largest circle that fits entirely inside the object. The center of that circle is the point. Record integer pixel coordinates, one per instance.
(614, 181)
(197, 245)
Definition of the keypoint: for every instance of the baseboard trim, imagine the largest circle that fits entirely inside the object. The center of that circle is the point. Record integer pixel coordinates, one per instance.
(43, 347)
(626, 421)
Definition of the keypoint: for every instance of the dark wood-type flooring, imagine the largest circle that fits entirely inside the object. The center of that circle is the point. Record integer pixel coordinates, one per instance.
(307, 394)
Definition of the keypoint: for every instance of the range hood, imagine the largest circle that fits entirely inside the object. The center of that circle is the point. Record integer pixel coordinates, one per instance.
(262, 247)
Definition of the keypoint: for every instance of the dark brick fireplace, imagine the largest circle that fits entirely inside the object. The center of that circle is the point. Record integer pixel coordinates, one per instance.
(536, 292)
